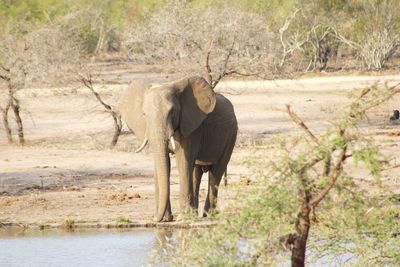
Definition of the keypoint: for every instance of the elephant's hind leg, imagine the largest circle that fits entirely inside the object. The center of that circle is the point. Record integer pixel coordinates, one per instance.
(197, 174)
(214, 179)
(215, 175)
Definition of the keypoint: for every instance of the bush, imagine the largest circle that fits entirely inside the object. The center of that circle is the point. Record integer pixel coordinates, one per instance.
(306, 199)
(186, 36)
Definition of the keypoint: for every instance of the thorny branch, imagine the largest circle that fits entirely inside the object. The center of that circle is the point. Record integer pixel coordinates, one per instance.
(332, 178)
(395, 89)
(301, 124)
(311, 199)
(332, 168)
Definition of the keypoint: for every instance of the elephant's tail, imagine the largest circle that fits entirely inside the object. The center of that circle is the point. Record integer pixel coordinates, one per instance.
(226, 177)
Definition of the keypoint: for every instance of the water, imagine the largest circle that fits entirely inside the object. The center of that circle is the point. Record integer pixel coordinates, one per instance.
(78, 248)
(112, 247)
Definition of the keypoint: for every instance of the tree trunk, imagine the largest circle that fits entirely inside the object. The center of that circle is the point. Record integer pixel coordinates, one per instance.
(6, 123)
(300, 241)
(16, 108)
(117, 129)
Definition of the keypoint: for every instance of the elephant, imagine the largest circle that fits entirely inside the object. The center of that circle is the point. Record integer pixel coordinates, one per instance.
(186, 118)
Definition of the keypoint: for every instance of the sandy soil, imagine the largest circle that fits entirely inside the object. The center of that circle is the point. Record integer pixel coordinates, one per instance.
(67, 173)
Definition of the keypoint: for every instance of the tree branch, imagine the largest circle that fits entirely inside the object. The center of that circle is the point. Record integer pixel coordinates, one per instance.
(395, 89)
(88, 82)
(301, 124)
(208, 68)
(225, 72)
(334, 175)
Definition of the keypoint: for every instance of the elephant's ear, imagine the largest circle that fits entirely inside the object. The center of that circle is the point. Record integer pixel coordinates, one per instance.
(130, 108)
(197, 100)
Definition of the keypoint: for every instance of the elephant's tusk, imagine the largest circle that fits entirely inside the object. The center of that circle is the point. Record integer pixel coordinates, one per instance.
(142, 146)
(172, 139)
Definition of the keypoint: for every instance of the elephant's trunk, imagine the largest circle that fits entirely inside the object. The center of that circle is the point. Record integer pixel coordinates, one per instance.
(163, 168)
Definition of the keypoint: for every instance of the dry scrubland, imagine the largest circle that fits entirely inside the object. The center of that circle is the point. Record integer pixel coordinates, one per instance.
(66, 173)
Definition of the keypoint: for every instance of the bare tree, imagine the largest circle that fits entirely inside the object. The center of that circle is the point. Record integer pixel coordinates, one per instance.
(13, 74)
(88, 82)
(377, 38)
(217, 42)
(29, 58)
(292, 43)
(308, 36)
(376, 48)
(6, 123)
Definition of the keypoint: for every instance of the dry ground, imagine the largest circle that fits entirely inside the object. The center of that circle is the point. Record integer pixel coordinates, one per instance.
(66, 171)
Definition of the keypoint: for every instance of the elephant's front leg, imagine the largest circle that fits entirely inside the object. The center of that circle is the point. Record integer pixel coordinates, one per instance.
(185, 168)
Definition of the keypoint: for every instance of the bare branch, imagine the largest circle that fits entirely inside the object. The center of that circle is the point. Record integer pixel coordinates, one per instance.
(334, 175)
(393, 91)
(376, 47)
(208, 68)
(87, 81)
(194, 40)
(225, 66)
(5, 78)
(6, 123)
(4, 68)
(284, 44)
(301, 124)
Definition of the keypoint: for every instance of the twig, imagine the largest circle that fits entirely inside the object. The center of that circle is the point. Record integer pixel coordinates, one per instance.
(332, 179)
(301, 124)
(208, 68)
(395, 89)
(391, 167)
(88, 82)
(225, 72)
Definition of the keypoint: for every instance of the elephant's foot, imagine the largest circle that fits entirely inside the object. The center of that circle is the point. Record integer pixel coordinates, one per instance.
(167, 218)
(205, 214)
(210, 213)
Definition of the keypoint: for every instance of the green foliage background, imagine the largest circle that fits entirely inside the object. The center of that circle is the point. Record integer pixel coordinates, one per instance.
(355, 16)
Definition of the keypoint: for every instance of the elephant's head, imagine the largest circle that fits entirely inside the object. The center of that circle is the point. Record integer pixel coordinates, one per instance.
(157, 113)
